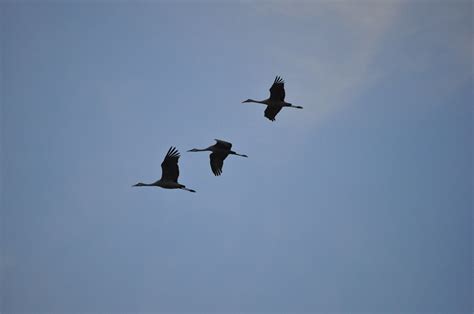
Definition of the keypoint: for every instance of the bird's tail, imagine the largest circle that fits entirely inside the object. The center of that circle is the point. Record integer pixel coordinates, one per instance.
(184, 188)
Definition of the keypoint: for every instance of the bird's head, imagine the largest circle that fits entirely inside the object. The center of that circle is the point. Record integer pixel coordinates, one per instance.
(248, 100)
(138, 184)
(194, 150)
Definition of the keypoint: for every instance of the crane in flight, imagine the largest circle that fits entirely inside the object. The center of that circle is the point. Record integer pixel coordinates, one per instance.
(169, 172)
(220, 151)
(276, 100)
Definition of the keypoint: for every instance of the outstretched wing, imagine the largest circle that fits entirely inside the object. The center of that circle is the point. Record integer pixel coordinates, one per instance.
(223, 144)
(169, 166)
(272, 111)
(277, 91)
(216, 163)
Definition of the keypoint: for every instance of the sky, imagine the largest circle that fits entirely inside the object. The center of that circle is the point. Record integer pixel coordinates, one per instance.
(360, 202)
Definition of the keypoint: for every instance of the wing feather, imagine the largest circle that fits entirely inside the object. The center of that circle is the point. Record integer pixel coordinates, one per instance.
(169, 166)
(277, 91)
(223, 144)
(217, 162)
(271, 112)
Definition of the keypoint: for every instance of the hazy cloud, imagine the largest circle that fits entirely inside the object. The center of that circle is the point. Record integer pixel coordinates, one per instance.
(335, 67)
(329, 66)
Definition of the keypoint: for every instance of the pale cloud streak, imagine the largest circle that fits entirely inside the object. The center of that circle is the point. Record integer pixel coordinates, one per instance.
(330, 69)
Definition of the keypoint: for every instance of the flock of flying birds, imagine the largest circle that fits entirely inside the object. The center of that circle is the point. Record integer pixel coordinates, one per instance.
(222, 149)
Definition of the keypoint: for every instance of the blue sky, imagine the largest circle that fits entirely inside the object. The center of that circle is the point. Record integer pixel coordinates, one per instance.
(360, 202)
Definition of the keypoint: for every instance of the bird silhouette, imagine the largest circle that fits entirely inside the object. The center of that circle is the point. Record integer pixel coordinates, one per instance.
(220, 151)
(170, 172)
(276, 100)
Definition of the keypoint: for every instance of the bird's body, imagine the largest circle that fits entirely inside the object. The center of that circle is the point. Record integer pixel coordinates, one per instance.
(220, 151)
(170, 173)
(276, 101)
(169, 185)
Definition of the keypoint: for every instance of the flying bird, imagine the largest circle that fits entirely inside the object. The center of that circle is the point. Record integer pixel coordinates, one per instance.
(276, 100)
(170, 172)
(220, 151)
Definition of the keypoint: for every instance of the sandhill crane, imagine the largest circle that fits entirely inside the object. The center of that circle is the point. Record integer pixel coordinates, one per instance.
(276, 100)
(220, 151)
(170, 172)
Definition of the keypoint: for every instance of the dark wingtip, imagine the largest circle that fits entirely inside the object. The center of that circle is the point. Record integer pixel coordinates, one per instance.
(269, 118)
(278, 80)
(173, 152)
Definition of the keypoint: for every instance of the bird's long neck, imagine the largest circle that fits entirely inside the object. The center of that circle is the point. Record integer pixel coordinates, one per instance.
(146, 184)
(257, 101)
(199, 149)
